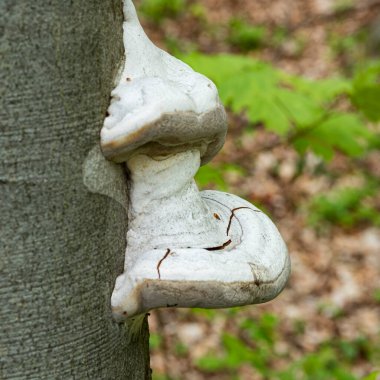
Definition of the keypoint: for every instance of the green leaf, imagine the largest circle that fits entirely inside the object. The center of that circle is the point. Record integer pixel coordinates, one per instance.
(208, 175)
(342, 131)
(366, 91)
(266, 110)
(373, 376)
(262, 331)
(313, 142)
(346, 132)
(221, 67)
(324, 365)
(302, 110)
(322, 91)
(211, 363)
(289, 105)
(245, 36)
(157, 10)
(345, 206)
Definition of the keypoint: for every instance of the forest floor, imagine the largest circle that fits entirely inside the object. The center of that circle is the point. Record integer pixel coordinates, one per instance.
(332, 300)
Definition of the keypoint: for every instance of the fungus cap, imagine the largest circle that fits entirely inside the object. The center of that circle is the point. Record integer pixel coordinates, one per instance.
(160, 104)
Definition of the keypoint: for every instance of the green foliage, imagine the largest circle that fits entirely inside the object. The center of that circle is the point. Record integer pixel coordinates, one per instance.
(346, 207)
(255, 345)
(236, 354)
(351, 48)
(260, 333)
(342, 5)
(181, 349)
(209, 314)
(376, 295)
(366, 91)
(155, 341)
(373, 376)
(198, 11)
(244, 36)
(211, 175)
(340, 131)
(322, 365)
(157, 10)
(263, 330)
(304, 112)
(356, 349)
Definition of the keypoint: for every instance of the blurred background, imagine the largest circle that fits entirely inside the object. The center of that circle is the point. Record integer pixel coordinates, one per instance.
(301, 82)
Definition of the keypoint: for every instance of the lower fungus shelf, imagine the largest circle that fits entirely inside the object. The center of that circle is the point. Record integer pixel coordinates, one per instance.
(254, 268)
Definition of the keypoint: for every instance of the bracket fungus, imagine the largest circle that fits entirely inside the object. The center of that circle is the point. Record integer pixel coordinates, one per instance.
(185, 248)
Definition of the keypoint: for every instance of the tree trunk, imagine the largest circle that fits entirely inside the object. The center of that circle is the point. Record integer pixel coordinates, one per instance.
(61, 246)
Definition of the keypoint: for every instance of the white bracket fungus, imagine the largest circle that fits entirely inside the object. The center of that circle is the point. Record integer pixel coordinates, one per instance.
(184, 248)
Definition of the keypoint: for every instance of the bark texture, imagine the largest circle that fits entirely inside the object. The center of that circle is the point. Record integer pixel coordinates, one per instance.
(61, 246)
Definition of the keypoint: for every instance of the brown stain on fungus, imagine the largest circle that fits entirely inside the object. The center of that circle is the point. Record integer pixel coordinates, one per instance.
(219, 248)
(233, 215)
(160, 262)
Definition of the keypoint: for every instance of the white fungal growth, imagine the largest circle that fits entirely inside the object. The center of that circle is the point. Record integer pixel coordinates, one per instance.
(166, 208)
(191, 249)
(153, 89)
(184, 248)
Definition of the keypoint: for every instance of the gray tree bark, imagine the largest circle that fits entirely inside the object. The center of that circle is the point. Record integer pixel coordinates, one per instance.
(61, 246)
